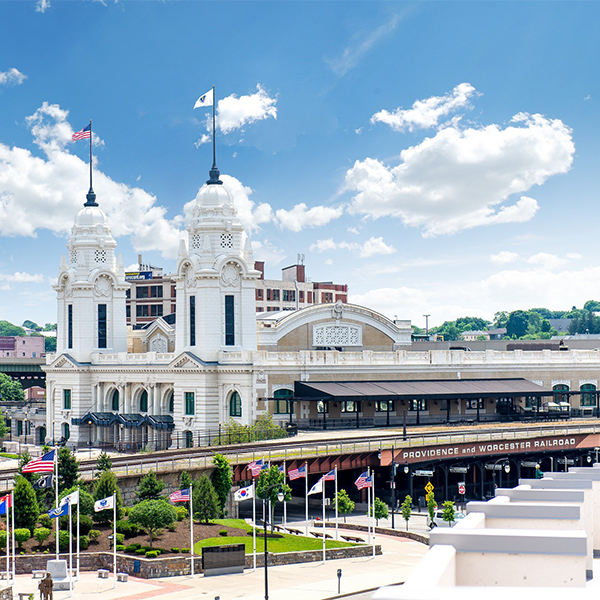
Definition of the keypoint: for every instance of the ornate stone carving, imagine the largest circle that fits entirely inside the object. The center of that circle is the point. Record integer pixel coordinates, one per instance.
(190, 278)
(158, 344)
(337, 335)
(261, 377)
(102, 287)
(338, 310)
(230, 275)
(68, 288)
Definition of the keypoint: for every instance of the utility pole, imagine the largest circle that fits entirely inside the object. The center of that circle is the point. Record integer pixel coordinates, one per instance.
(426, 324)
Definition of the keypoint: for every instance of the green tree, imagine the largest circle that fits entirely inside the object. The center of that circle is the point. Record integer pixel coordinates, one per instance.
(500, 319)
(27, 324)
(448, 511)
(518, 320)
(431, 506)
(379, 510)
(104, 463)
(68, 469)
(8, 329)
(150, 487)
(592, 305)
(105, 487)
(49, 327)
(344, 505)
(222, 480)
(86, 501)
(272, 478)
(41, 534)
(471, 324)
(49, 343)
(185, 480)
(23, 460)
(11, 390)
(406, 509)
(206, 501)
(153, 515)
(26, 504)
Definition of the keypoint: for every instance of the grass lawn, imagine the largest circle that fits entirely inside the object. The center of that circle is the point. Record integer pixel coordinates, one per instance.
(286, 543)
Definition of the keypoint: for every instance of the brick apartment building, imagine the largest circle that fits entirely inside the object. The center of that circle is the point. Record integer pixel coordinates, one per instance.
(152, 293)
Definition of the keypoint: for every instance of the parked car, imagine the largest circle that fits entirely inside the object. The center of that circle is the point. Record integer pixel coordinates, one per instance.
(438, 520)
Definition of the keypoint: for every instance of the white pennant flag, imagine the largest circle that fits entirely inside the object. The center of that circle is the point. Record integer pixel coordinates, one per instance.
(72, 498)
(103, 504)
(317, 488)
(206, 99)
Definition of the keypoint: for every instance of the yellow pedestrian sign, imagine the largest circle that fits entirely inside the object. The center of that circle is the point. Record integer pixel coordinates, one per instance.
(429, 487)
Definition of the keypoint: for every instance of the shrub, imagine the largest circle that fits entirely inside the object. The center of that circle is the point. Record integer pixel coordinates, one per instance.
(140, 551)
(120, 548)
(22, 536)
(131, 548)
(2, 538)
(120, 538)
(182, 512)
(175, 550)
(25, 504)
(124, 527)
(84, 542)
(151, 554)
(185, 550)
(152, 515)
(63, 539)
(41, 534)
(147, 548)
(45, 521)
(94, 535)
(85, 524)
(172, 527)
(223, 532)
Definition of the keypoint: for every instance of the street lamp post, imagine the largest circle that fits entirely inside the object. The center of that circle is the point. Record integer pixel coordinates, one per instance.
(505, 466)
(280, 497)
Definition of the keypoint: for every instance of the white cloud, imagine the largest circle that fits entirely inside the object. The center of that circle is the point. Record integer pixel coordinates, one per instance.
(268, 252)
(301, 216)
(360, 45)
(427, 113)
(574, 256)
(456, 179)
(504, 257)
(353, 230)
(205, 139)
(547, 261)
(588, 97)
(12, 77)
(371, 247)
(21, 277)
(234, 112)
(329, 262)
(46, 192)
(358, 131)
(42, 5)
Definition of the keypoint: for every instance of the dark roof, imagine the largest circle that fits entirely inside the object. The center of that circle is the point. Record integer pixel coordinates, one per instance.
(441, 388)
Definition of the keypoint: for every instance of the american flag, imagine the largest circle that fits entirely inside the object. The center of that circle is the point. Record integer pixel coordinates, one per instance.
(329, 476)
(297, 473)
(44, 464)
(82, 134)
(180, 496)
(256, 467)
(365, 480)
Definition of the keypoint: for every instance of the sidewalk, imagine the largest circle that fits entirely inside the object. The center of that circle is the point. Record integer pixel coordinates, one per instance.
(308, 581)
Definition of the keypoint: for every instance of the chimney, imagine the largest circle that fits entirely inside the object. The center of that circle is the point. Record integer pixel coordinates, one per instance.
(140, 261)
(259, 265)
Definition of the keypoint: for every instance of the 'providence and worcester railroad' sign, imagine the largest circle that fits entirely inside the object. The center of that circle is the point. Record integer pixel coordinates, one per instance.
(417, 454)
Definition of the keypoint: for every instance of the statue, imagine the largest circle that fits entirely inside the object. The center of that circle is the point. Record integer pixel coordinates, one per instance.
(45, 586)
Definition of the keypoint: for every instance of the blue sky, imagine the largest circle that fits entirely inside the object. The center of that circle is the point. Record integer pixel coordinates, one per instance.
(438, 157)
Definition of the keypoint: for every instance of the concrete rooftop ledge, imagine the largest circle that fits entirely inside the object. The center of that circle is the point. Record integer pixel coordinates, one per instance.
(526, 510)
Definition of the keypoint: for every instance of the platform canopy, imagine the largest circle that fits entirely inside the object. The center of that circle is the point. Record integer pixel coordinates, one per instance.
(439, 389)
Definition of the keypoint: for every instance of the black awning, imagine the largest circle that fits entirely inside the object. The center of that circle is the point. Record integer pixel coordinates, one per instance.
(132, 420)
(100, 419)
(429, 389)
(161, 421)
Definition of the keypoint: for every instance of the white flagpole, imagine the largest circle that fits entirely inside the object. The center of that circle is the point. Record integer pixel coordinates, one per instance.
(323, 488)
(56, 499)
(369, 508)
(78, 557)
(192, 530)
(336, 505)
(8, 569)
(12, 505)
(373, 505)
(254, 522)
(70, 550)
(284, 502)
(306, 495)
(115, 538)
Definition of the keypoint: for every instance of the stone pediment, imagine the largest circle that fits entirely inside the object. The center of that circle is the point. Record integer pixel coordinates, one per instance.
(187, 361)
(64, 361)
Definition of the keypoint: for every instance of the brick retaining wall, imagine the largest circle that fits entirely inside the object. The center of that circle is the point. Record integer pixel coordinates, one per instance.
(172, 566)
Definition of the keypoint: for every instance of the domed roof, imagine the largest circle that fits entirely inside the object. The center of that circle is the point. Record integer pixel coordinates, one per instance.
(90, 216)
(213, 195)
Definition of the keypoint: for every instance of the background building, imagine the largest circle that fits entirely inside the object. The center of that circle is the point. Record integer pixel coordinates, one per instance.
(22, 346)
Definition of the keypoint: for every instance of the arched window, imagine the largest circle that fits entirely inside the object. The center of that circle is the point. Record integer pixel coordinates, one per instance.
(171, 403)
(282, 402)
(189, 439)
(114, 402)
(588, 396)
(235, 405)
(144, 401)
(558, 396)
(66, 431)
